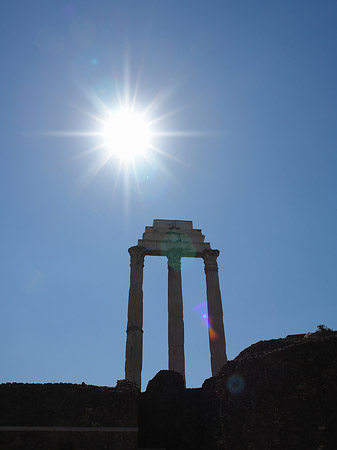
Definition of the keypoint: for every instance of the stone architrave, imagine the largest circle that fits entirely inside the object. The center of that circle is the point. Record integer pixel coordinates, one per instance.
(216, 332)
(134, 342)
(175, 313)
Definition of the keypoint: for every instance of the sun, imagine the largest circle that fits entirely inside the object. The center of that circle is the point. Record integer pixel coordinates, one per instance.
(126, 134)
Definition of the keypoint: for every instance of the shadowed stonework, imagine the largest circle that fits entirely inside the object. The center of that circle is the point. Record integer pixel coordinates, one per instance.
(174, 239)
(64, 416)
(275, 395)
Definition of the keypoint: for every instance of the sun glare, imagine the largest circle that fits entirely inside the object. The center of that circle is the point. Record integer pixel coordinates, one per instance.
(126, 134)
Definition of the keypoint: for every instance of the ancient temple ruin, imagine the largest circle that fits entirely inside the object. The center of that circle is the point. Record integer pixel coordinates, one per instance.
(174, 239)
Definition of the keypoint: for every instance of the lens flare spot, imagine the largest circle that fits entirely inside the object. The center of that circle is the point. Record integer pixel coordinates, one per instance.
(235, 384)
(202, 310)
(202, 305)
(212, 334)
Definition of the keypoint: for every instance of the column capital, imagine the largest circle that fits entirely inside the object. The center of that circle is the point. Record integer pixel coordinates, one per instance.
(137, 254)
(210, 259)
(174, 256)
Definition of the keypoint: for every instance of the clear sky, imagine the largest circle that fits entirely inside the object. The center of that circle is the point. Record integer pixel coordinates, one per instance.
(248, 94)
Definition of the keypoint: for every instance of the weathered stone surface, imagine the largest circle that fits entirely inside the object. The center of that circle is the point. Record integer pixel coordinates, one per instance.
(165, 235)
(134, 340)
(165, 384)
(169, 414)
(216, 331)
(276, 395)
(279, 394)
(176, 353)
(68, 405)
(174, 239)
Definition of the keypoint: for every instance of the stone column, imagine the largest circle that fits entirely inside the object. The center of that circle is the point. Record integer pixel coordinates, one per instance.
(134, 340)
(175, 313)
(216, 333)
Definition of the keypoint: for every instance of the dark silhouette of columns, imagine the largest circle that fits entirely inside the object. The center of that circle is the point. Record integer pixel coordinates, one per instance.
(134, 341)
(216, 333)
(175, 313)
(176, 353)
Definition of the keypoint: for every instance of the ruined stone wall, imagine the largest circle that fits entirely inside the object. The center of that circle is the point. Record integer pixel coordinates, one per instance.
(279, 394)
(276, 395)
(169, 414)
(67, 406)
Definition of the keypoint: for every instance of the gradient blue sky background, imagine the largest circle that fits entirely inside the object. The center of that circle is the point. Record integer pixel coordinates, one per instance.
(260, 78)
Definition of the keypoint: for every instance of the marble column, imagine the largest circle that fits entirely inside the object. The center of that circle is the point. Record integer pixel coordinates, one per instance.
(134, 340)
(216, 333)
(175, 313)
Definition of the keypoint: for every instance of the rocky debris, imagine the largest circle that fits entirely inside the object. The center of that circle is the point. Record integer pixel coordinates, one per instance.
(166, 383)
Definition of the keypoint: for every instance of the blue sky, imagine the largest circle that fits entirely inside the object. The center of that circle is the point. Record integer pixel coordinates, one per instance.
(257, 81)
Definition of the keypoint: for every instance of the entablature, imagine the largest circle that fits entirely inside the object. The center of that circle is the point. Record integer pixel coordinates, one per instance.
(167, 235)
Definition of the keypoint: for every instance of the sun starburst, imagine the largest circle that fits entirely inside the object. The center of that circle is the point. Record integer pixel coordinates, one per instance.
(126, 134)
